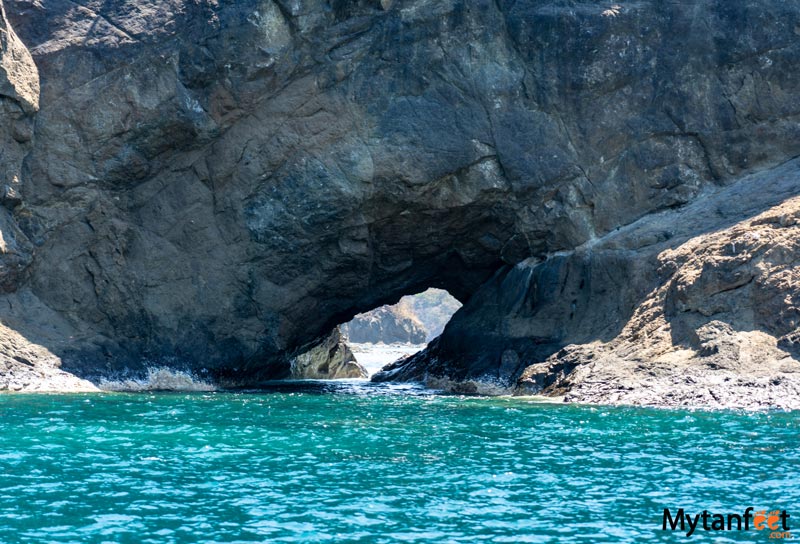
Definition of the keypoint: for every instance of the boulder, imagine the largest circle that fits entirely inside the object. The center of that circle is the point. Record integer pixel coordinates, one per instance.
(330, 360)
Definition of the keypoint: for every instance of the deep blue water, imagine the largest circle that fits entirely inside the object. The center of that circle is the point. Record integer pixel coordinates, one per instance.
(377, 464)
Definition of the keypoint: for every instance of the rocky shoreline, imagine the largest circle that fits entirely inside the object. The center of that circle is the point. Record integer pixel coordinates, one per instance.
(26, 367)
(752, 386)
(706, 320)
(212, 188)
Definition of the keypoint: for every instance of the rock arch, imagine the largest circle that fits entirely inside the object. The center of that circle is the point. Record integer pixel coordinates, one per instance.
(217, 186)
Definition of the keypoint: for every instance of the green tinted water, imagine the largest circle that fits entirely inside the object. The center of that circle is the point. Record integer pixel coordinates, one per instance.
(358, 463)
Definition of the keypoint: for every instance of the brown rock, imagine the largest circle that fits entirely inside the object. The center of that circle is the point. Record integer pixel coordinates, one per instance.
(330, 360)
(216, 185)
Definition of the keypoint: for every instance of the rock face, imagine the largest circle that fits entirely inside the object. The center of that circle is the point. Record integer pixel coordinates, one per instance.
(433, 308)
(387, 325)
(688, 307)
(415, 319)
(19, 100)
(330, 360)
(217, 185)
(26, 367)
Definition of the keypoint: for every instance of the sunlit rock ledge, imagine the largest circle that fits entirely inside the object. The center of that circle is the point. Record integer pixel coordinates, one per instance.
(214, 187)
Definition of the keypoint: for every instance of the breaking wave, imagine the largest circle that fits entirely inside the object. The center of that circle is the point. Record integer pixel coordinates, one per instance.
(159, 379)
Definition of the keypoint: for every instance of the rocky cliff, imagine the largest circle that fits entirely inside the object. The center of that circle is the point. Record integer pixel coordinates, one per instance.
(19, 101)
(692, 306)
(387, 325)
(415, 319)
(215, 186)
(433, 308)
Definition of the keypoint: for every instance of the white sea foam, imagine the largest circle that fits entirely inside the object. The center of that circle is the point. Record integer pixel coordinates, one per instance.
(373, 357)
(159, 379)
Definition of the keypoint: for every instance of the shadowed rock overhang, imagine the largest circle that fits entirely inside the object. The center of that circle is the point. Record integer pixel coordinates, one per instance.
(216, 186)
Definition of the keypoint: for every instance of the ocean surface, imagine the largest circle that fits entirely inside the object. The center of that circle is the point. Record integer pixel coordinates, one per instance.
(374, 357)
(354, 462)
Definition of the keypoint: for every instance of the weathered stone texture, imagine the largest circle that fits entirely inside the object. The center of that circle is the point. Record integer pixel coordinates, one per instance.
(216, 185)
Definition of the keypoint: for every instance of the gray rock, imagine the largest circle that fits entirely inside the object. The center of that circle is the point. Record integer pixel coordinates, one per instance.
(433, 308)
(19, 100)
(693, 307)
(386, 325)
(27, 368)
(415, 319)
(217, 185)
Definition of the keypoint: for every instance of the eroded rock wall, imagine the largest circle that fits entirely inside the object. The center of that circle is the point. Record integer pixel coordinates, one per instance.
(217, 185)
(386, 325)
(19, 101)
(693, 307)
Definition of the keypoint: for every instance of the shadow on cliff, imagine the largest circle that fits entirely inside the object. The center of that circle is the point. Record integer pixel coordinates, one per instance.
(709, 273)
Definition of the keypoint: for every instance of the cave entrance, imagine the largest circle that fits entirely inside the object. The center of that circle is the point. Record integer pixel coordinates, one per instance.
(391, 332)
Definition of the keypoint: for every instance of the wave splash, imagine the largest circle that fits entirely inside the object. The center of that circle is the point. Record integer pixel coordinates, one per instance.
(159, 379)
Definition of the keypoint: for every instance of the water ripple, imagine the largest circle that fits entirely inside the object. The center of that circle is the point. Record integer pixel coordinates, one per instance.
(315, 462)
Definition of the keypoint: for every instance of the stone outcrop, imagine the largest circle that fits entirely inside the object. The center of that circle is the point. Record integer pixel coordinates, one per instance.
(215, 186)
(28, 367)
(19, 100)
(330, 360)
(688, 307)
(386, 325)
(433, 308)
(415, 319)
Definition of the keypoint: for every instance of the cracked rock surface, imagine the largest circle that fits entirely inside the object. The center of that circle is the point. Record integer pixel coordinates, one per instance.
(214, 186)
(330, 360)
(387, 325)
(691, 307)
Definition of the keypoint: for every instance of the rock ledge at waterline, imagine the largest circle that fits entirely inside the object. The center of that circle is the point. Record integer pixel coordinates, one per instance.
(651, 314)
(213, 187)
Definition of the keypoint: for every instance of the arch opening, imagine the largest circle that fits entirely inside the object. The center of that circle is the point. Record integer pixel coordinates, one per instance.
(362, 346)
(390, 332)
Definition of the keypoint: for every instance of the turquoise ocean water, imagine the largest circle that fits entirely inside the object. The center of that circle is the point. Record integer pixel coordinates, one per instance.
(360, 463)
